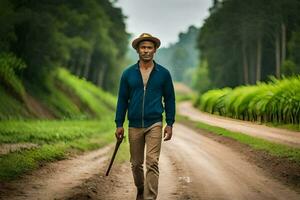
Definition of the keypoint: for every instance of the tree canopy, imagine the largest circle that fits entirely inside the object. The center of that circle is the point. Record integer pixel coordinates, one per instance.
(87, 37)
(243, 42)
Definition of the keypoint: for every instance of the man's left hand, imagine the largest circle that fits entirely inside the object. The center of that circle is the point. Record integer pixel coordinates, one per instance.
(167, 133)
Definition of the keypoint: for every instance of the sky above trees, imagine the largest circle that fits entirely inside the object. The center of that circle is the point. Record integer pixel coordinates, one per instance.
(164, 19)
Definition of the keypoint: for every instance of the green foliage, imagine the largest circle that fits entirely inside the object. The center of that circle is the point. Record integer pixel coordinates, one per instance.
(289, 68)
(7, 21)
(200, 78)
(90, 39)
(277, 101)
(10, 66)
(213, 100)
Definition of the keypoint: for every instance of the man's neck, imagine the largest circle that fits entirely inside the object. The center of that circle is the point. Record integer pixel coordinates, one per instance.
(146, 65)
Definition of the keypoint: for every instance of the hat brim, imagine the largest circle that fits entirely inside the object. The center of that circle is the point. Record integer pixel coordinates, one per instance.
(155, 40)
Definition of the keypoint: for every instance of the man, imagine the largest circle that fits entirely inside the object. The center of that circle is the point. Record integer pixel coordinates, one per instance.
(142, 88)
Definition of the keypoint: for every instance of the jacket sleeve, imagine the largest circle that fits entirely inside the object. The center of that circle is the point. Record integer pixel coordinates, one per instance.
(169, 100)
(122, 104)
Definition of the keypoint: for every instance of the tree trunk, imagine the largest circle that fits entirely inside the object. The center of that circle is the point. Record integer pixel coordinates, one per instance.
(283, 42)
(72, 63)
(258, 59)
(252, 63)
(95, 74)
(77, 63)
(78, 69)
(100, 78)
(101, 73)
(277, 55)
(87, 66)
(245, 64)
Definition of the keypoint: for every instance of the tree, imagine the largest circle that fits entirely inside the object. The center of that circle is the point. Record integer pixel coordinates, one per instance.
(245, 41)
(87, 37)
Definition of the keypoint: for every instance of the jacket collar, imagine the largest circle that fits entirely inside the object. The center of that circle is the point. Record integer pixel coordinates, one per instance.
(155, 66)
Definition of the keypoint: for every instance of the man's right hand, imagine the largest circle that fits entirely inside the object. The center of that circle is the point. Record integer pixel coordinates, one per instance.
(119, 132)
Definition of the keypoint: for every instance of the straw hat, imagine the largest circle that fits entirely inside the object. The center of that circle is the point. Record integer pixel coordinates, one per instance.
(145, 37)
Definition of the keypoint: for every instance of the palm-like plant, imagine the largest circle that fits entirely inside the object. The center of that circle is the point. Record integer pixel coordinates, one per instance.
(276, 101)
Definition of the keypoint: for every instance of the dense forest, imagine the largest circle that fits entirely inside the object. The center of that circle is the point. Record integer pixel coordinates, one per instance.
(86, 37)
(242, 42)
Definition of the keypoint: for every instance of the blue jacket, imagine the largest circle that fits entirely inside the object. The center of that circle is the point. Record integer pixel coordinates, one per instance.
(145, 106)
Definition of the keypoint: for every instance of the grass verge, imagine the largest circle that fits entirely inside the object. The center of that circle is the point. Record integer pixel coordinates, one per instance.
(291, 127)
(274, 149)
(56, 140)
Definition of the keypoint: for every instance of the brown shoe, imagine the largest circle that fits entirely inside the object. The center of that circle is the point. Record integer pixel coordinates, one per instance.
(140, 194)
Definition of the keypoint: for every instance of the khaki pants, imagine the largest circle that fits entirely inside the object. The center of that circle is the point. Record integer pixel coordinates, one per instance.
(138, 139)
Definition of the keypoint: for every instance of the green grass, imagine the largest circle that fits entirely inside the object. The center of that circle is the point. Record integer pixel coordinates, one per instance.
(17, 163)
(101, 103)
(255, 143)
(56, 139)
(60, 103)
(64, 95)
(11, 108)
(292, 127)
(42, 132)
(84, 122)
(123, 153)
(70, 97)
(184, 97)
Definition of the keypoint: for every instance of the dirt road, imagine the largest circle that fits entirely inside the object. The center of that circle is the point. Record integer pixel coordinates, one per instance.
(290, 138)
(55, 180)
(214, 171)
(192, 167)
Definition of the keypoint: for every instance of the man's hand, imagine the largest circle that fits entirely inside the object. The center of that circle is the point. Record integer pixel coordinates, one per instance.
(167, 133)
(119, 132)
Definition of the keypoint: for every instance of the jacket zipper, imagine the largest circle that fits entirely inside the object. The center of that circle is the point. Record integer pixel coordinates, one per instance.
(143, 103)
(143, 106)
(145, 88)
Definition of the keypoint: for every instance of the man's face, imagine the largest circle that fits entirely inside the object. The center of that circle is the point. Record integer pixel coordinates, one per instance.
(146, 51)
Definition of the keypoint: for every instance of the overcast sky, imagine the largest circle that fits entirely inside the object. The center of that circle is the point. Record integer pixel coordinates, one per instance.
(164, 19)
